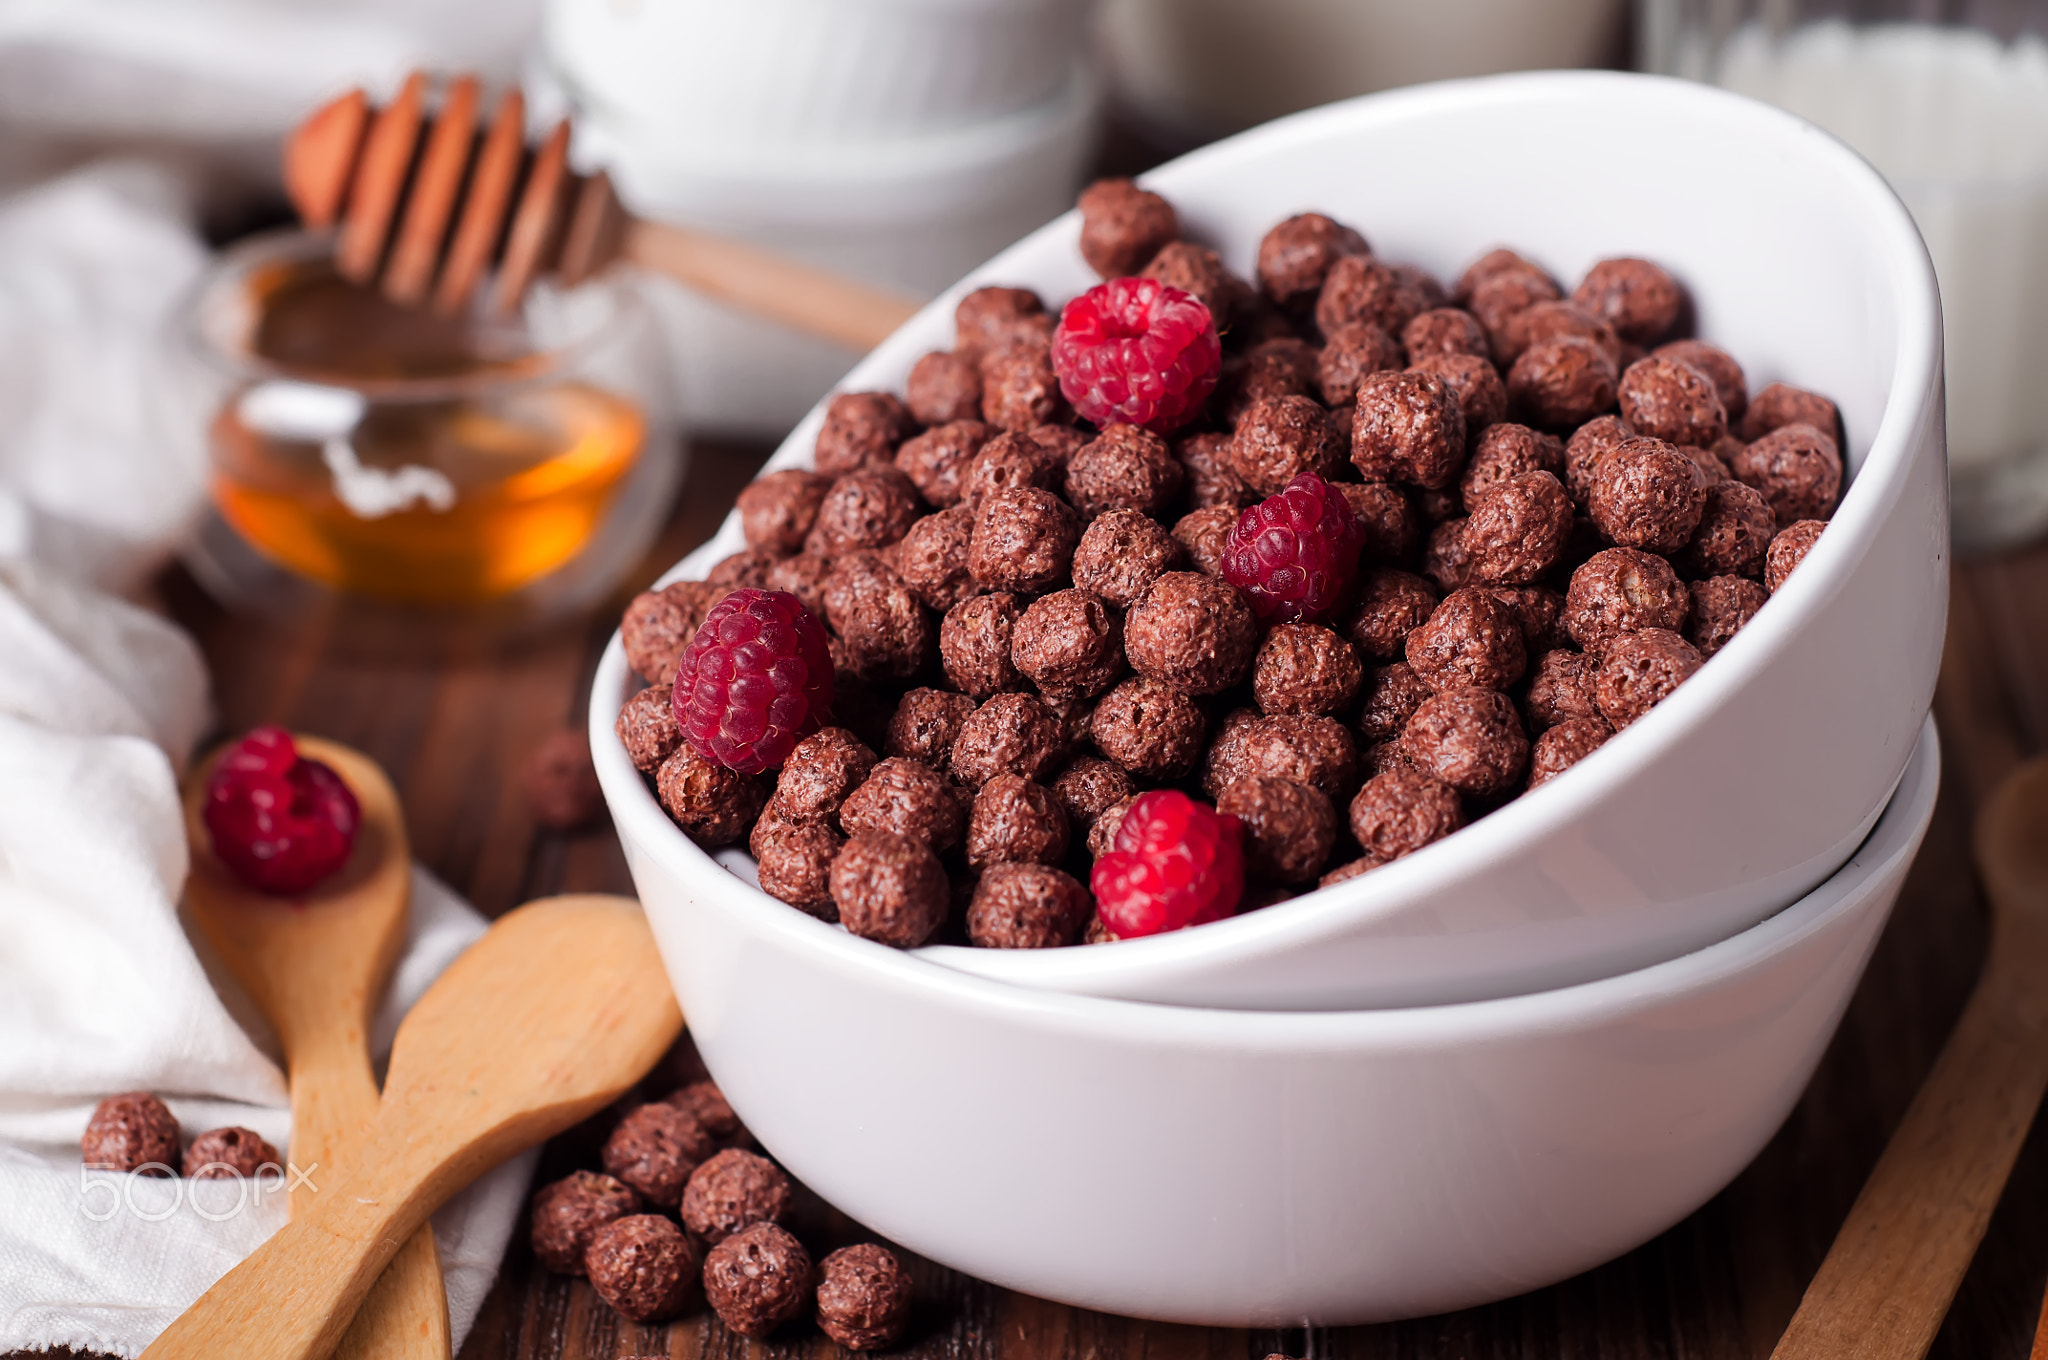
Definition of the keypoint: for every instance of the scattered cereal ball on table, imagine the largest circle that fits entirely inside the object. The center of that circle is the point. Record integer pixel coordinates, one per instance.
(1123, 226)
(1023, 540)
(1408, 427)
(861, 429)
(906, 797)
(1482, 397)
(1088, 786)
(1123, 468)
(1590, 443)
(1621, 590)
(1289, 828)
(1564, 746)
(975, 644)
(229, 1153)
(1015, 820)
(1639, 299)
(1069, 643)
(707, 1104)
(1472, 640)
(1121, 554)
(1718, 367)
(1175, 863)
(1295, 256)
(889, 888)
(1136, 351)
(1197, 271)
(1302, 668)
(943, 387)
(1444, 330)
(735, 1189)
(1639, 670)
(647, 728)
(1281, 438)
(1561, 690)
(990, 318)
(863, 1297)
(778, 509)
(1796, 468)
(1010, 734)
(793, 863)
(1562, 383)
(1149, 728)
(1402, 810)
(1721, 605)
(925, 725)
(1351, 352)
(821, 771)
(713, 805)
(1734, 533)
(1671, 400)
(1202, 536)
(569, 1212)
(936, 461)
(1518, 529)
(654, 1149)
(1645, 495)
(754, 679)
(1294, 554)
(1781, 404)
(1471, 739)
(1392, 694)
(1788, 550)
(757, 1279)
(1390, 604)
(1193, 632)
(1020, 388)
(278, 821)
(932, 559)
(641, 1265)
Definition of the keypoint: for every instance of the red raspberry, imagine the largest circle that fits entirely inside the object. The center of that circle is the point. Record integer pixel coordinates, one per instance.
(754, 681)
(1295, 553)
(1176, 863)
(1137, 351)
(280, 822)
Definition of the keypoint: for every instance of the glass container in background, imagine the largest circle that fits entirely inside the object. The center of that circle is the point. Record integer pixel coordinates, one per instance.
(419, 480)
(1950, 102)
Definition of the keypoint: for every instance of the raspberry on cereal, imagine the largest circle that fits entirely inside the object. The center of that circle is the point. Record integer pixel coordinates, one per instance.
(1301, 668)
(1295, 256)
(1482, 396)
(1408, 427)
(1721, 605)
(943, 387)
(990, 319)
(1175, 863)
(1019, 387)
(1211, 480)
(1402, 810)
(793, 862)
(1718, 367)
(1735, 531)
(1149, 728)
(1471, 739)
(861, 429)
(975, 641)
(778, 510)
(1289, 828)
(905, 797)
(1562, 382)
(1193, 632)
(925, 725)
(1202, 536)
(1638, 670)
(824, 768)
(1564, 746)
(1671, 400)
(1641, 301)
(1137, 351)
(1015, 820)
(1362, 288)
(1797, 469)
(1123, 226)
(1788, 550)
(1069, 643)
(1121, 554)
(712, 804)
(1279, 438)
(1197, 271)
(1027, 906)
(1444, 330)
(1392, 694)
(1561, 690)
(1088, 786)
(1781, 404)
(1519, 529)
(1354, 350)
(658, 624)
(568, 1213)
(936, 461)
(932, 559)
(1619, 591)
(647, 728)
(1390, 604)
(1646, 495)
(1590, 443)
(1023, 540)
(1124, 468)
(1507, 450)
(1472, 640)
(1010, 734)
(1294, 554)
(889, 888)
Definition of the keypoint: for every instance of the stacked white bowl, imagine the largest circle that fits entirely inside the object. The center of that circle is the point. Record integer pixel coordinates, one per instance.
(897, 141)
(1521, 1050)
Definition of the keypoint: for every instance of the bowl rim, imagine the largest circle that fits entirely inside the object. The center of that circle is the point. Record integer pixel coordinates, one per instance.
(1395, 888)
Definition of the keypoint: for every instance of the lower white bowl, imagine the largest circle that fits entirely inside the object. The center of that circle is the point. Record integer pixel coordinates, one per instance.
(1256, 1168)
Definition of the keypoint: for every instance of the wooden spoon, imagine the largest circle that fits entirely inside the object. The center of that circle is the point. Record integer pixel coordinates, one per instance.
(460, 196)
(1889, 1278)
(555, 1012)
(315, 965)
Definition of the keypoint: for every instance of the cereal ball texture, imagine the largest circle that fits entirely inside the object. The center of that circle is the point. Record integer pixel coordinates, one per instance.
(885, 634)
(1781, 404)
(925, 725)
(794, 863)
(1126, 468)
(824, 768)
(778, 510)
(932, 559)
(943, 387)
(1010, 734)
(749, 568)
(860, 429)
(1797, 469)
(1408, 427)
(1519, 529)
(1295, 256)
(1015, 821)
(1564, 746)
(654, 1149)
(1305, 668)
(888, 888)
(568, 1213)
(1011, 460)
(803, 576)
(1202, 536)
(1387, 520)
(1281, 367)
(1193, 632)
(1645, 495)
(1447, 558)
(863, 1297)
(1619, 591)
(227, 1153)
(1561, 690)
(1361, 288)
(1280, 438)
(1390, 605)
(1123, 226)
(1391, 697)
(1641, 301)
(647, 728)
(1734, 533)
(975, 642)
(1718, 367)
(1590, 443)
(1353, 351)
(1471, 739)
(1543, 321)
(1472, 640)
(868, 509)
(1121, 554)
(658, 624)
(1149, 728)
(1788, 550)
(1638, 670)
(1023, 540)
(1562, 383)
(704, 1101)
(642, 1266)
(1507, 450)
(1671, 400)
(735, 1189)
(1721, 605)
(757, 1279)
(1089, 786)
(1482, 396)
(1402, 810)
(1305, 748)
(936, 461)
(1289, 828)
(1444, 330)
(1069, 643)
(905, 797)
(1211, 480)
(1019, 389)
(991, 318)
(1499, 260)
(712, 804)
(1196, 270)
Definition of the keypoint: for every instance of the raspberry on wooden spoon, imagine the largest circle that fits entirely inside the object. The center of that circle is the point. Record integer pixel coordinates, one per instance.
(1137, 351)
(754, 681)
(279, 821)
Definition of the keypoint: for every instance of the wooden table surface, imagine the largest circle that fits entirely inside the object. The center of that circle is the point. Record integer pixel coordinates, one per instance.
(1720, 1284)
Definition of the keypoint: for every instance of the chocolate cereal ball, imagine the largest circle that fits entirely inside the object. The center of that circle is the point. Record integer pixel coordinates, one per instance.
(868, 509)
(1289, 828)
(1788, 550)
(1518, 530)
(1402, 810)
(1197, 271)
(991, 318)
(658, 624)
(1390, 605)
(1718, 367)
(1781, 404)
(1023, 540)
(1507, 450)
(1010, 734)
(1284, 366)
(704, 1101)
(1471, 739)
(1149, 728)
(1015, 821)
(568, 1213)
(1721, 605)
(1305, 748)
(1279, 438)
(1069, 643)
(1354, 350)
(863, 1297)
(1541, 611)
(1305, 668)
(1011, 460)
(1796, 468)
(793, 862)
(778, 510)
(1499, 260)
(1408, 427)
(861, 429)
(1590, 443)
(1444, 330)
(1645, 495)
(1193, 632)
(890, 889)
(641, 1265)
(1125, 468)
(1121, 554)
(1638, 299)
(647, 728)
(1638, 670)
(654, 1149)
(1671, 400)
(1482, 397)
(1362, 288)
(1564, 746)
(925, 725)
(905, 797)
(818, 775)
(803, 576)
(932, 559)
(1123, 226)
(943, 387)
(1734, 532)
(1102, 835)
(1202, 535)
(1392, 695)
(1562, 382)
(1295, 256)
(1211, 480)
(1392, 530)
(224, 1154)
(735, 1189)
(1543, 321)
(1019, 389)
(1561, 690)
(936, 461)
(1472, 640)
(1446, 557)
(885, 634)
(712, 804)
(1087, 786)
(1619, 591)
(975, 644)
(749, 568)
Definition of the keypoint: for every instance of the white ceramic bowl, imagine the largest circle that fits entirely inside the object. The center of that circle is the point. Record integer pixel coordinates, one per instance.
(1255, 1168)
(1754, 781)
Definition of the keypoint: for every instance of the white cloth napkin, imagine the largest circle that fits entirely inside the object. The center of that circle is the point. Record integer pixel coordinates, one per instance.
(101, 988)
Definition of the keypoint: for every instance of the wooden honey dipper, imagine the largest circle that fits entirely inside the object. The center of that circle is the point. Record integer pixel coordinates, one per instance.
(426, 202)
